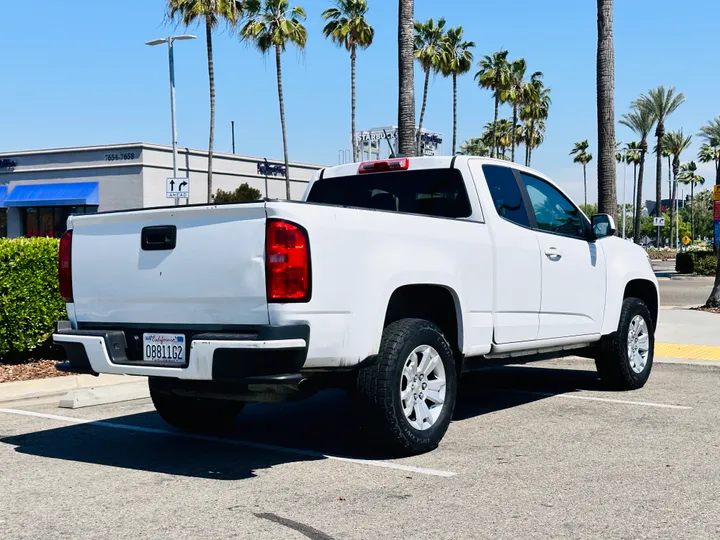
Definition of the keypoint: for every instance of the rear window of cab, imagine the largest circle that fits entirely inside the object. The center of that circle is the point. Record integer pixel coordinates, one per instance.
(430, 192)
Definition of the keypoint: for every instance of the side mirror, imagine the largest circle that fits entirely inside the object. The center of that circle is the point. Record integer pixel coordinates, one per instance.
(603, 225)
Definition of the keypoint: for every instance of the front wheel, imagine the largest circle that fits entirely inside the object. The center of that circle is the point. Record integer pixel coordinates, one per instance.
(625, 358)
(409, 393)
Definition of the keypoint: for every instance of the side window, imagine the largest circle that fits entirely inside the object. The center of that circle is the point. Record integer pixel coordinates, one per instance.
(506, 194)
(553, 211)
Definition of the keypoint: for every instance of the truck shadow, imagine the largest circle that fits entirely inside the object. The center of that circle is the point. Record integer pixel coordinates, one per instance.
(327, 423)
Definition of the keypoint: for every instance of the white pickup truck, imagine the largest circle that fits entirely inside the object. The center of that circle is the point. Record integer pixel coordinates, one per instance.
(390, 278)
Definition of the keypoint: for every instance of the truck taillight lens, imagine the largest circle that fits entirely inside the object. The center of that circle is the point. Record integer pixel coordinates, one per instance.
(65, 267)
(287, 262)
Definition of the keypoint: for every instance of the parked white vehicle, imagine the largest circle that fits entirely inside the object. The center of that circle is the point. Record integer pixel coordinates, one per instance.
(390, 278)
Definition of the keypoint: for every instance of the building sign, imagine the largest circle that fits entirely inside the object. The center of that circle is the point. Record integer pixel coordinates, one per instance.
(373, 141)
(8, 163)
(270, 169)
(121, 156)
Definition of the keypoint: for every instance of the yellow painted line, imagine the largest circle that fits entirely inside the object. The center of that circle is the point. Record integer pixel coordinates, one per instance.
(687, 352)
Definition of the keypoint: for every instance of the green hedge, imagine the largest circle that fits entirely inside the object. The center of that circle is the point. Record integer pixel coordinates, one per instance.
(30, 303)
(702, 263)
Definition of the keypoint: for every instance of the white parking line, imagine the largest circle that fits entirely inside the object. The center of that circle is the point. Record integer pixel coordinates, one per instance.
(606, 400)
(247, 444)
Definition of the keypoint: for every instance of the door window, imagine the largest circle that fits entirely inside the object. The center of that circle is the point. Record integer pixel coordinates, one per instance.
(506, 194)
(554, 212)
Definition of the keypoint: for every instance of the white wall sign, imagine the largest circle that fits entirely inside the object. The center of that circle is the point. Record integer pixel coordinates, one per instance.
(177, 188)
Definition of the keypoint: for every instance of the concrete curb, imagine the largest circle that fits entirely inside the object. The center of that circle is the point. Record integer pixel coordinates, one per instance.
(105, 395)
(12, 391)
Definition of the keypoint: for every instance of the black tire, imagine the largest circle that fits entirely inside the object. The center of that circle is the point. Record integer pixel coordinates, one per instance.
(613, 361)
(379, 389)
(194, 415)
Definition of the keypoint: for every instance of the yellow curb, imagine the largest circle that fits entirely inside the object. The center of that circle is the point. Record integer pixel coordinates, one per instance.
(688, 352)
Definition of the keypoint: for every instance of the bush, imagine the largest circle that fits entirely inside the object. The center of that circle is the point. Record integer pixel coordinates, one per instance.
(699, 261)
(242, 194)
(30, 303)
(661, 254)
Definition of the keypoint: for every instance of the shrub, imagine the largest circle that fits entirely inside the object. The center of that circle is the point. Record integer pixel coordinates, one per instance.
(242, 194)
(661, 254)
(30, 303)
(699, 261)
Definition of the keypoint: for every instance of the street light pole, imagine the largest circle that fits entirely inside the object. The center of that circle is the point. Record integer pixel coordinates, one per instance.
(171, 67)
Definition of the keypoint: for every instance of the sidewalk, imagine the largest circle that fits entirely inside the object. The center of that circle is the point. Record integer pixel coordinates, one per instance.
(684, 334)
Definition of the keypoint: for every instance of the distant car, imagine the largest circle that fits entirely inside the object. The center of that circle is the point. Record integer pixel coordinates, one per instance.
(391, 277)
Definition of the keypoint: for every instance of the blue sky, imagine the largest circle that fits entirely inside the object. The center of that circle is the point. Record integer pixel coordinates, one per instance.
(78, 73)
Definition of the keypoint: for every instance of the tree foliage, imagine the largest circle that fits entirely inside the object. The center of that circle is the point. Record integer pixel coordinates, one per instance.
(242, 193)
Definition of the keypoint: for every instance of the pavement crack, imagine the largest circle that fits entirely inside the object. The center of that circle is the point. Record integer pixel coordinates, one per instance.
(305, 530)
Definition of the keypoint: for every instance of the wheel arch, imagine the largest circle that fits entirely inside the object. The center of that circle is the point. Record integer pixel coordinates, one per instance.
(646, 291)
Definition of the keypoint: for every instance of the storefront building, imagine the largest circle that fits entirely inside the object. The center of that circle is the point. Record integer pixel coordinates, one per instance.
(40, 189)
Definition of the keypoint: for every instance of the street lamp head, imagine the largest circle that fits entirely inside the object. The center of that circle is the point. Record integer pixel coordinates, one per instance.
(171, 38)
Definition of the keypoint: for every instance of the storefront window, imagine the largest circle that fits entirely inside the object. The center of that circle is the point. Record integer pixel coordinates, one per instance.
(50, 220)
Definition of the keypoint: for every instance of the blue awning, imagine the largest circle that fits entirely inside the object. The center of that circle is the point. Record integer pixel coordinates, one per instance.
(3, 196)
(71, 194)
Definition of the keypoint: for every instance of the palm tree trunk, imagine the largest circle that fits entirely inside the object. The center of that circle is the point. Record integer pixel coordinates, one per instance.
(658, 182)
(605, 80)
(406, 77)
(422, 112)
(353, 57)
(692, 210)
(278, 67)
(672, 210)
(211, 77)
(494, 149)
(585, 182)
(714, 299)
(638, 200)
(454, 113)
(669, 177)
(529, 147)
(512, 137)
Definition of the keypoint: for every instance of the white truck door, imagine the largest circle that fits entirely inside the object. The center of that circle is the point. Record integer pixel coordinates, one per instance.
(517, 257)
(573, 268)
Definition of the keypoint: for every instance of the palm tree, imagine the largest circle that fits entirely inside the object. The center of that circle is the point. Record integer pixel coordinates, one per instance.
(500, 134)
(494, 75)
(475, 147)
(457, 60)
(641, 121)
(711, 154)
(605, 81)
(711, 134)
(429, 49)
(675, 143)
(534, 112)
(210, 12)
(632, 155)
(514, 93)
(348, 28)
(688, 175)
(583, 157)
(406, 77)
(272, 25)
(660, 103)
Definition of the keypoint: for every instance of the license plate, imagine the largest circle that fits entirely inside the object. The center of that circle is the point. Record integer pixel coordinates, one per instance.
(164, 348)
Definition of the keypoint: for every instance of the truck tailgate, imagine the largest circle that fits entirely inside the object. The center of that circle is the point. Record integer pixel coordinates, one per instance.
(214, 275)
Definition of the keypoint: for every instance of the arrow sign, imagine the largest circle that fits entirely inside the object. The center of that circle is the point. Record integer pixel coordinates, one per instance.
(177, 188)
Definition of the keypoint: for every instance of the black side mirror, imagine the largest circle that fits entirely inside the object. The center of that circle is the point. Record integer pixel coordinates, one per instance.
(603, 225)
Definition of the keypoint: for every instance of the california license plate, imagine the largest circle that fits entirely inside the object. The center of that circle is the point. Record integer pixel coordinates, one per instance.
(164, 348)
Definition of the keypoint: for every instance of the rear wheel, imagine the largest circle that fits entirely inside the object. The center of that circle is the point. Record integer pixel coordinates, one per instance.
(194, 414)
(625, 358)
(408, 394)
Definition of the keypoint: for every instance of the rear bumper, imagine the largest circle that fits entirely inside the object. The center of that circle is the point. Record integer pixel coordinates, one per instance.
(227, 356)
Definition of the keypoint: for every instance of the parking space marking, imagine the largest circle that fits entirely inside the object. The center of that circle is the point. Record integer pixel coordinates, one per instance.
(236, 442)
(606, 400)
(687, 351)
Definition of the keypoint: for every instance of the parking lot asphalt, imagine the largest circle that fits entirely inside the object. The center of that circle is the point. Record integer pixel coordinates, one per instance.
(533, 452)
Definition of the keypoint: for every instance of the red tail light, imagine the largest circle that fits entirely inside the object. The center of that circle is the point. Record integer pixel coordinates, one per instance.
(401, 164)
(287, 262)
(65, 267)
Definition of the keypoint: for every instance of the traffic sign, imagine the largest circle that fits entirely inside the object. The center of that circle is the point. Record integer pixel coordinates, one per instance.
(716, 192)
(177, 188)
(686, 240)
(659, 222)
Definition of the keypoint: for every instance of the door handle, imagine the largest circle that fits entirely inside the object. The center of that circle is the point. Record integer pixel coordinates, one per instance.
(159, 238)
(553, 253)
